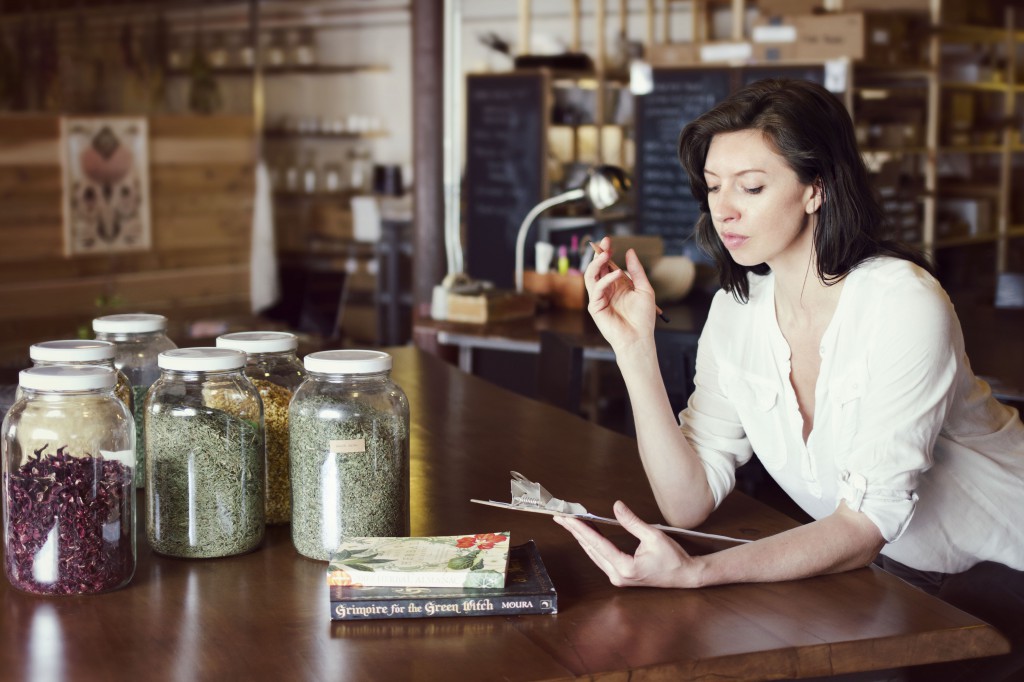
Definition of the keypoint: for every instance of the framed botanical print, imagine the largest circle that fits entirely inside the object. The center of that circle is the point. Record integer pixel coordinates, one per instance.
(106, 185)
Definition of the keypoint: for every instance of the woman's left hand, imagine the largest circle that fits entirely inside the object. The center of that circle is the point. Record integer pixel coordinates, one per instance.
(658, 561)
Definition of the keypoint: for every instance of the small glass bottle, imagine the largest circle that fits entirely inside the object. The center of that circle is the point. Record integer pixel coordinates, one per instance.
(204, 444)
(68, 460)
(139, 339)
(349, 452)
(276, 373)
(82, 352)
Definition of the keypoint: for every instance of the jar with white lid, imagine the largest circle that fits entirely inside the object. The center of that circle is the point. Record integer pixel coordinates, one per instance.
(82, 352)
(139, 338)
(69, 499)
(206, 460)
(276, 372)
(349, 452)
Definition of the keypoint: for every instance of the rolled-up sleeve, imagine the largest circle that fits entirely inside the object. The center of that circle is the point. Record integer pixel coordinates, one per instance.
(905, 393)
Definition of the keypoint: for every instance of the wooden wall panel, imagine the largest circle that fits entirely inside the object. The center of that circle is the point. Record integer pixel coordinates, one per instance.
(201, 192)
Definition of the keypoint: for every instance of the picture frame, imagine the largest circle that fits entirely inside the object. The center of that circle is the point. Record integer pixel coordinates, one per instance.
(105, 168)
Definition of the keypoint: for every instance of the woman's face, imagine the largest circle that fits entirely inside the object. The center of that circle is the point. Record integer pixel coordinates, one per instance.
(760, 209)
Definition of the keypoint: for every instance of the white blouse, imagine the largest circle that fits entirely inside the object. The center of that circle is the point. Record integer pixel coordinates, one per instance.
(903, 430)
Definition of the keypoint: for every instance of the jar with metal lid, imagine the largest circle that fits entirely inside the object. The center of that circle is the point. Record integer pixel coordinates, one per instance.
(349, 452)
(139, 338)
(206, 461)
(276, 373)
(69, 501)
(81, 352)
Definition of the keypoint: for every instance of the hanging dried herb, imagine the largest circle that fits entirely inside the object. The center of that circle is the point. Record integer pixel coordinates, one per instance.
(204, 92)
(72, 515)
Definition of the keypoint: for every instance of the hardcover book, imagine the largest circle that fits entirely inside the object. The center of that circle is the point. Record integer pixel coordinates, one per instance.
(478, 561)
(528, 590)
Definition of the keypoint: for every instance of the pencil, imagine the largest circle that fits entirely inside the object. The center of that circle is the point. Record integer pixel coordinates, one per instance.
(598, 250)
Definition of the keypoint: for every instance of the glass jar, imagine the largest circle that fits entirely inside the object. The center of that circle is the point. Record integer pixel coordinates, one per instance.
(276, 373)
(204, 446)
(69, 500)
(349, 452)
(139, 338)
(81, 352)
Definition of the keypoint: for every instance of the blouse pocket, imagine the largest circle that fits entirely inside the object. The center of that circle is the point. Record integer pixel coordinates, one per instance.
(755, 399)
(847, 398)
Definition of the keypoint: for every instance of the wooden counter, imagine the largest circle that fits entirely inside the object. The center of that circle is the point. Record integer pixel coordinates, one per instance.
(264, 616)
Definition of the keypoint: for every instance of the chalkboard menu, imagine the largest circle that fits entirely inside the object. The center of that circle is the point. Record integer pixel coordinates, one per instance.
(506, 141)
(664, 205)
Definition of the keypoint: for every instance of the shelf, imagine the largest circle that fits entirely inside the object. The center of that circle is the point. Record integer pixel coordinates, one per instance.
(977, 87)
(978, 34)
(962, 190)
(342, 197)
(319, 135)
(309, 70)
(971, 149)
(966, 240)
(577, 126)
(325, 69)
(893, 151)
(862, 71)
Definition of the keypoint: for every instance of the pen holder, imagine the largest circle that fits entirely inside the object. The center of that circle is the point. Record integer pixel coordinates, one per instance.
(563, 291)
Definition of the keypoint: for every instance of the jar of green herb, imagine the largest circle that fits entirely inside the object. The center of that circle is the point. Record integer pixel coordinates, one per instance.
(139, 339)
(69, 501)
(349, 452)
(81, 352)
(276, 373)
(206, 460)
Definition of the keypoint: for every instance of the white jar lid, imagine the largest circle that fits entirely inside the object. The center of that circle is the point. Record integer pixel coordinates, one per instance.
(259, 342)
(347, 362)
(72, 350)
(201, 359)
(129, 323)
(67, 378)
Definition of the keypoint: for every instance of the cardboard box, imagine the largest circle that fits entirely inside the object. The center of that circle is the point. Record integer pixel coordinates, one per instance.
(330, 219)
(810, 37)
(886, 5)
(563, 291)
(685, 54)
(875, 38)
(777, 8)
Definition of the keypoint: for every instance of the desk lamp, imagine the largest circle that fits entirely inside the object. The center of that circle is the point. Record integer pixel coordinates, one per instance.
(604, 187)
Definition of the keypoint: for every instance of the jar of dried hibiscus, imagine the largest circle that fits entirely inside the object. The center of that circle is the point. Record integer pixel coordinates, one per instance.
(69, 500)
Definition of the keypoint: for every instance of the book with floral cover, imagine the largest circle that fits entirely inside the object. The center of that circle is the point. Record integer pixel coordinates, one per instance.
(528, 590)
(477, 561)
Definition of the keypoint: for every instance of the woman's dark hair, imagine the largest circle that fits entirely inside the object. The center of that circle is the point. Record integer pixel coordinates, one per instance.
(811, 129)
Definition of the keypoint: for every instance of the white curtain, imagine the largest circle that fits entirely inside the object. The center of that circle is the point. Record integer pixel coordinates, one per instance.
(263, 284)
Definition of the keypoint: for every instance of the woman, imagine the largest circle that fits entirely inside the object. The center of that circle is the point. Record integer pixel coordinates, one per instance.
(832, 354)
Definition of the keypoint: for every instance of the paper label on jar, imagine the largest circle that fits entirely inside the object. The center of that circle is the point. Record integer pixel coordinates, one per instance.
(339, 447)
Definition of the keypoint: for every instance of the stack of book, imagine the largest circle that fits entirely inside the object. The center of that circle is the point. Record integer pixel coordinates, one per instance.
(439, 576)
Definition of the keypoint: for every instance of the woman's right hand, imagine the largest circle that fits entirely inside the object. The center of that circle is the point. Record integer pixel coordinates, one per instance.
(622, 306)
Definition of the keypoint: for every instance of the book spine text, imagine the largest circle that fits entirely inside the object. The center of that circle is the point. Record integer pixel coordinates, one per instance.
(441, 607)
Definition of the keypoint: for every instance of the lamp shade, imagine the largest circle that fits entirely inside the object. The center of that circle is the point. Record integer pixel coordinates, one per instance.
(604, 187)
